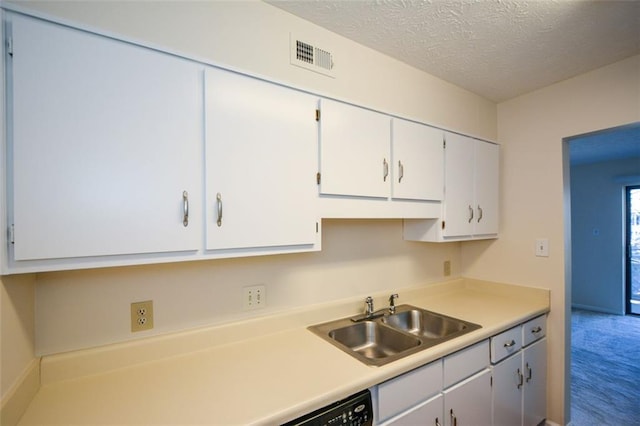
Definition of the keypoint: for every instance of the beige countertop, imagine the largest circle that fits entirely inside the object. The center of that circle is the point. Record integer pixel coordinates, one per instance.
(261, 371)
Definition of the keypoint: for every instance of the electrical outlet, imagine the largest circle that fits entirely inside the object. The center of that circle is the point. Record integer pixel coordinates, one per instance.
(447, 268)
(254, 297)
(141, 316)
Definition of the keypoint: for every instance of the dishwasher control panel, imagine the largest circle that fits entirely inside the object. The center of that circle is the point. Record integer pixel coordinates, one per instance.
(355, 410)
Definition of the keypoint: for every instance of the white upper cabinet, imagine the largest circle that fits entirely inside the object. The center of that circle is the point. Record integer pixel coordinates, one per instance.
(104, 146)
(355, 151)
(470, 206)
(418, 163)
(471, 180)
(261, 162)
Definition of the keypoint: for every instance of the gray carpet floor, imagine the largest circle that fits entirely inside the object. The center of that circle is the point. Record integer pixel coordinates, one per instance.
(605, 369)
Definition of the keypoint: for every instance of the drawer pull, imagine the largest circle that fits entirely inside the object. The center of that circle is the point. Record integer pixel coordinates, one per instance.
(510, 344)
(536, 330)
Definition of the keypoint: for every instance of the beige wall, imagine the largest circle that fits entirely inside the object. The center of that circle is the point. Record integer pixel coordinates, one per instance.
(535, 194)
(17, 339)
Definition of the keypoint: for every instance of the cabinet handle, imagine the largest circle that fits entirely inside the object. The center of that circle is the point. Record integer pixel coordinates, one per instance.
(520, 379)
(219, 204)
(529, 373)
(385, 169)
(185, 208)
(454, 420)
(509, 344)
(479, 213)
(536, 330)
(401, 168)
(438, 422)
(470, 213)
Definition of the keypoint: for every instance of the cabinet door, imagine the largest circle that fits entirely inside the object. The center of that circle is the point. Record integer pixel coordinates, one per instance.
(418, 161)
(469, 402)
(459, 211)
(429, 413)
(261, 162)
(535, 383)
(487, 166)
(105, 138)
(507, 391)
(354, 151)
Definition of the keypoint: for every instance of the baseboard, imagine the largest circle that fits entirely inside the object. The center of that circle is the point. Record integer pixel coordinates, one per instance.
(18, 398)
(595, 309)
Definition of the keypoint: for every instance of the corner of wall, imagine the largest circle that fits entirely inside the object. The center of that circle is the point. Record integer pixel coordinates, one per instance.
(20, 379)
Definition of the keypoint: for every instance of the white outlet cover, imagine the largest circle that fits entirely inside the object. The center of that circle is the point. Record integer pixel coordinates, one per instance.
(254, 297)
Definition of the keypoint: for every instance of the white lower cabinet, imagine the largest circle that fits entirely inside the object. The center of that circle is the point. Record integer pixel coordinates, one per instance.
(520, 377)
(501, 381)
(469, 403)
(445, 392)
(535, 384)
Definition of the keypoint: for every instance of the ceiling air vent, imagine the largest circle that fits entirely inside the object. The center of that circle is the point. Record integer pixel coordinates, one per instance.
(308, 56)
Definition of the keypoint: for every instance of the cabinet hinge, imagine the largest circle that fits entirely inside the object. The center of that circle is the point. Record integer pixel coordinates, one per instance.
(10, 46)
(443, 224)
(317, 115)
(318, 178)
(12, 234)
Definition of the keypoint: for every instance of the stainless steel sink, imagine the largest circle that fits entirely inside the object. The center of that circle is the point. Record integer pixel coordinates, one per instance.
(378, 341)
(373, 340)
(428, 325)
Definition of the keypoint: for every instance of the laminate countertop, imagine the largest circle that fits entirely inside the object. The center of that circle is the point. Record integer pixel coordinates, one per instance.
(265, 370)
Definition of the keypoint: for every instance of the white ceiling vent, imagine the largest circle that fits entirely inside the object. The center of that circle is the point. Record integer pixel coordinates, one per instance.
(306, 55)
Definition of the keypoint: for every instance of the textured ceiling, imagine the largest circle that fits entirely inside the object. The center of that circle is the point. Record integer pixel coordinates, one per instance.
(496, 48)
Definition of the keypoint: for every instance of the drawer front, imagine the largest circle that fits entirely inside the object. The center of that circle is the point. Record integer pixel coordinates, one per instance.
(506, 343)
(534, 330)
(403, 392)
(465, 363)
(428, 413)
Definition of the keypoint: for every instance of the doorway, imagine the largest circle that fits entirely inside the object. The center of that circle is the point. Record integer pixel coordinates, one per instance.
(633, 249)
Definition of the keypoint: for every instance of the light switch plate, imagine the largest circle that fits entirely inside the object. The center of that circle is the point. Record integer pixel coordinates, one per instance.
(542, 247)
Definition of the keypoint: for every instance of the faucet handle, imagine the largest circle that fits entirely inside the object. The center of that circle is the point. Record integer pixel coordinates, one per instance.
(392, 305)
(369, 302)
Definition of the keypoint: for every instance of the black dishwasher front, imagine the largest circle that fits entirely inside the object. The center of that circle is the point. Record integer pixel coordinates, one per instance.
(355, 410)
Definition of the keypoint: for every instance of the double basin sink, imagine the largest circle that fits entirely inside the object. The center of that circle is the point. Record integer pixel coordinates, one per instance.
(378, 340)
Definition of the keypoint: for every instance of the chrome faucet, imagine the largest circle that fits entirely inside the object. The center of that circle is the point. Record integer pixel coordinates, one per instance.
(369, 309)
(392, 305)
(369, 312)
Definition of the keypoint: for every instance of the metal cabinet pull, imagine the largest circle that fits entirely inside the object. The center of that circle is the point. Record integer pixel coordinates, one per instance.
(401, 169)
(470, 213)
(536, 330)
(520, 379)
(529, 373)
(185, 208)
(438, 422)
(454, 420)
(219, 204)
(479, 213)
(509, 344)
(385, 169)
